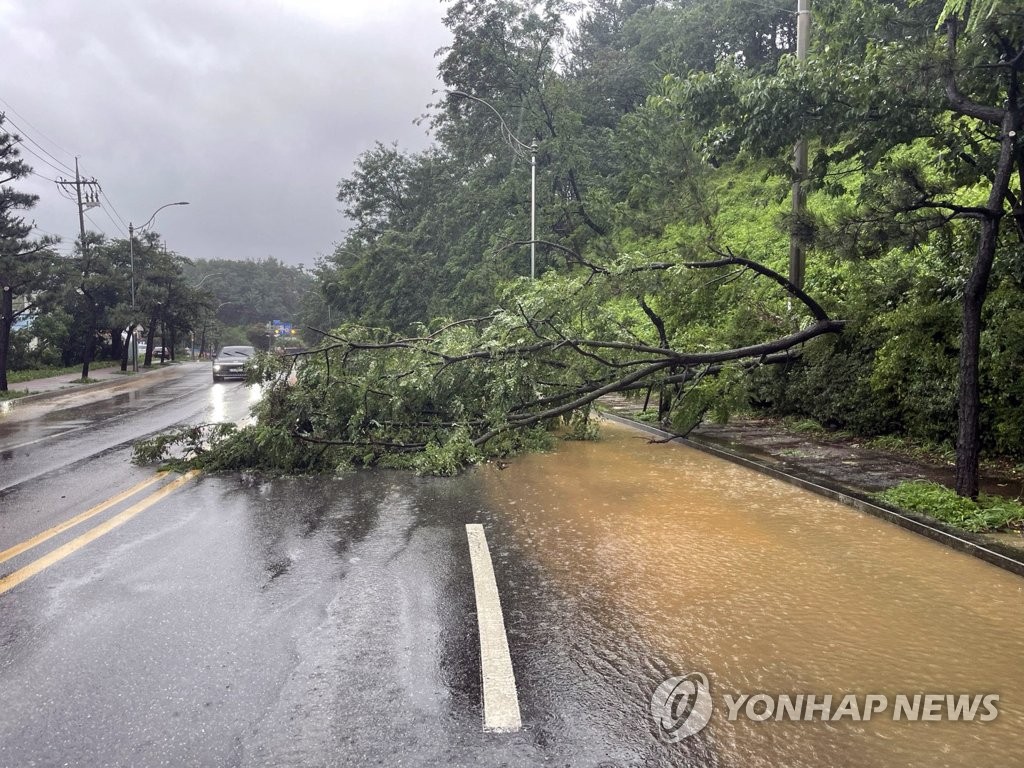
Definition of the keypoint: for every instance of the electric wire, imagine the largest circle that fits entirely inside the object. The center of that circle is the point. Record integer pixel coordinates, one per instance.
(39, 157)
(24, 133)
(124, 227)
(112, 221)
(61, 168)
(769, 7)
(99, 229)
(44, 178)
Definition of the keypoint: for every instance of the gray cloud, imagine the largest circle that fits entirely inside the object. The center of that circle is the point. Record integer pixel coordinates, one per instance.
(251, 110)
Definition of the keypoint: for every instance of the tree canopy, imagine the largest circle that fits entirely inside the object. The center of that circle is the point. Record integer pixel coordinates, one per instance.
(663, 135)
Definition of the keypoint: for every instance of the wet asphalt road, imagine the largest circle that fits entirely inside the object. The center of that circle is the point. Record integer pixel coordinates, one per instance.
(285, 622)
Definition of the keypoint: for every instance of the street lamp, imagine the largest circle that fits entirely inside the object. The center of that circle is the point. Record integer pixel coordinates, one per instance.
(131, 258)
(520, 149)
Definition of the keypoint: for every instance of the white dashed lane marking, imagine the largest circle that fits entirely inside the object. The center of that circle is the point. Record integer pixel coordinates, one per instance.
(501, 701)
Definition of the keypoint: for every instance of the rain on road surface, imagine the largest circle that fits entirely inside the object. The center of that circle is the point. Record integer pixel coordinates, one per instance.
(331, 622)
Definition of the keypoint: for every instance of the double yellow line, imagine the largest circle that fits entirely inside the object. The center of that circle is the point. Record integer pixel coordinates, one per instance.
(14, 579)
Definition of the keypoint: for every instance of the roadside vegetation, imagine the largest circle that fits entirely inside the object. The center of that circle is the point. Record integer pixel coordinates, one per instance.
(27, 374)
(986, 514)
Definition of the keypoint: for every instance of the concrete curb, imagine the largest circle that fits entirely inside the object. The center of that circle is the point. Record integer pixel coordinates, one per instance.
(932, 529)
(112, 383)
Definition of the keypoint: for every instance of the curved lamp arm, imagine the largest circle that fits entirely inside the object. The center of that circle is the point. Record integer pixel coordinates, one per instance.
(167, 205)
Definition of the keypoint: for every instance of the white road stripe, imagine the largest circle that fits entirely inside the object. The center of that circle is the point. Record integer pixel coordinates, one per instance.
(501, 702)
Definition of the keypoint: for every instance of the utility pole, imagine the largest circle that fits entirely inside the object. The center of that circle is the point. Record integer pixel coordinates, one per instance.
(89, 200)
(797, 256)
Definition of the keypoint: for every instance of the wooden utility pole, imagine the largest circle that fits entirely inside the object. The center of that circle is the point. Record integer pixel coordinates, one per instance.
(797, 256)
(90, 199)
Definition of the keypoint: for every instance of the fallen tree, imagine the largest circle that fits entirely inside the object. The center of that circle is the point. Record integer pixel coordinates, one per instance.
(462, 390)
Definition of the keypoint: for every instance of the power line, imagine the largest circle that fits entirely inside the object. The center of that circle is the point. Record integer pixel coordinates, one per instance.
(43, 231)
(64, 192)
(44, 178)
(116, 225)
(39, 157)
(769, 7)
(54, 143)
(98, 227)
(23, 135)
(90, 200)
(119, 217)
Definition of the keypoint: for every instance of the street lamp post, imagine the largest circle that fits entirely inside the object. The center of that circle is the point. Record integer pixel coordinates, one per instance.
(520, 149)
(533, 209)
(131, 259)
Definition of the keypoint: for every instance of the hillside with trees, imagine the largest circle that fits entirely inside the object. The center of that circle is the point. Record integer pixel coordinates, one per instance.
(663, 137)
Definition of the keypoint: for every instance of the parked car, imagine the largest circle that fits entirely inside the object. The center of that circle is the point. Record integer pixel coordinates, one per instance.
(230, 362)
(156, 351)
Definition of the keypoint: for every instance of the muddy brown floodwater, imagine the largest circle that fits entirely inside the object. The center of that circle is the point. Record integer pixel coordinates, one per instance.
(693, 564)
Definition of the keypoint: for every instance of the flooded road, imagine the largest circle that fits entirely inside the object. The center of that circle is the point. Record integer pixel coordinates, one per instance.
(246, 621)
(656, 560)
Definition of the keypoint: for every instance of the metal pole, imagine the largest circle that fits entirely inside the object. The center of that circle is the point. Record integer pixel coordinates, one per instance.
(135, 332)
(797, 256)
(131, 256)
(533, 209)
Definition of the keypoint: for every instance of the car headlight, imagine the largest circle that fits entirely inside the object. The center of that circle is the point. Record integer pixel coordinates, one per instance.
(216, 367)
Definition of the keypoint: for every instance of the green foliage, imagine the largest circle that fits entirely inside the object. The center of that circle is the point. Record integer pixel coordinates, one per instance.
(450, 457)
(25, 264)
(251, 292)
(662, 129)
(987, 513)
(581, 426)
(455, 393)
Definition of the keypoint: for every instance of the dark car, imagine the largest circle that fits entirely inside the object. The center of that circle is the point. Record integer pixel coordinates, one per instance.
(230, 362)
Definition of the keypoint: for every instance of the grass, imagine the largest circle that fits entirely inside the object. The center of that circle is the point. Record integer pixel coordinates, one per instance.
(15, 377)
(804, 426)
(941, 453)
(13, 394)
(986, 515)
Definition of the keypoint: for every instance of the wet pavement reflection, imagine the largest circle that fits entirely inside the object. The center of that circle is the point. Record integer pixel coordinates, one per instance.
(48, 436)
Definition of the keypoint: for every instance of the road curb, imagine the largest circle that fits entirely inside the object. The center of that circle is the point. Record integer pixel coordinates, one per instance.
(961, 541)
(113, 383)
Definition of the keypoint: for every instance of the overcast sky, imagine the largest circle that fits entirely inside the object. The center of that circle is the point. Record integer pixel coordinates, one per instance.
(251, 110)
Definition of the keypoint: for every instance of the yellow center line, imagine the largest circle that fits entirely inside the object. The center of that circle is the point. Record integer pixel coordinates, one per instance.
(38, 539)
(14, 579)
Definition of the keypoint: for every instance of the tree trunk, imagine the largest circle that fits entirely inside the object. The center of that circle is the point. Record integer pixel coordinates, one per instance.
(968, 442)
(6, 322)
(90, 345)
(150, 336)
(115, 343)
(128, 346)
(1008, 119)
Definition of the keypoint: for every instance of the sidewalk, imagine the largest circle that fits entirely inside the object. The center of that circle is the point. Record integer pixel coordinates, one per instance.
(67, 383)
